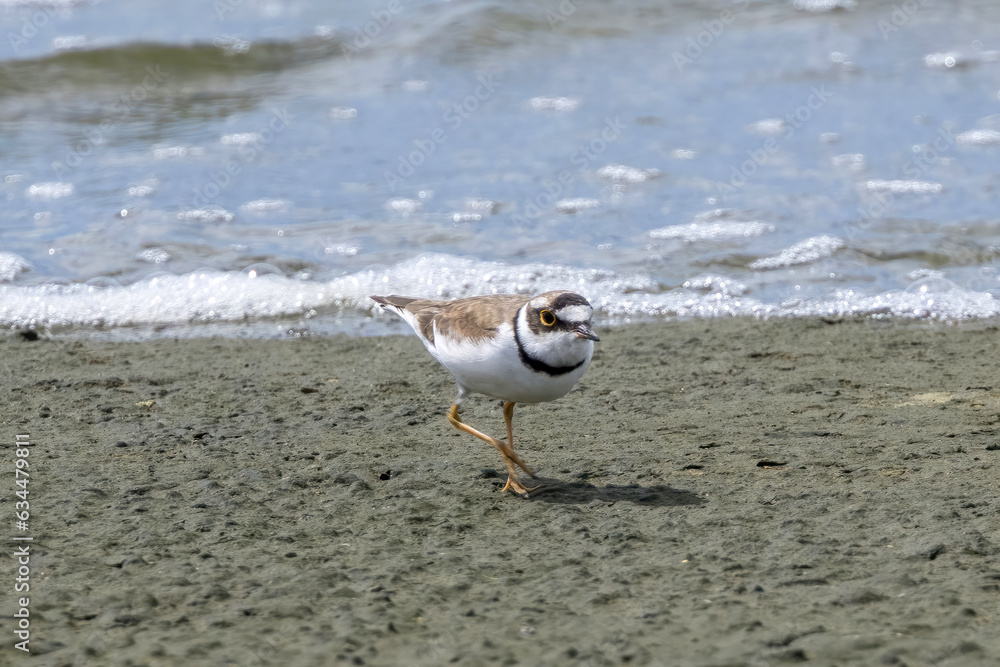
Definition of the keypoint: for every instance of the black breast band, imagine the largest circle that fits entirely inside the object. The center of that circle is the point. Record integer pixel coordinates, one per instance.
(538, 365)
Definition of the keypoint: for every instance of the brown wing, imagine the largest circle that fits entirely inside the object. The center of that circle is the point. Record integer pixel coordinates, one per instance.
(475, 317)
(478, 317)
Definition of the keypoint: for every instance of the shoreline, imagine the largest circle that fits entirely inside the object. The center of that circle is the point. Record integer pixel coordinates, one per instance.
(727, 491)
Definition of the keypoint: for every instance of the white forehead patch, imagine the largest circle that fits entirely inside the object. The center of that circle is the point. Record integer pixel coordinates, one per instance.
(578, 313)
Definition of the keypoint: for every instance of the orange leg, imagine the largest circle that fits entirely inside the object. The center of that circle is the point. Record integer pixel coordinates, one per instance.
(510, 457)
(508, 418)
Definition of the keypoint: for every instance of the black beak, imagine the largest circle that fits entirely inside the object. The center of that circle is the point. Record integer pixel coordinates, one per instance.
(584, 331)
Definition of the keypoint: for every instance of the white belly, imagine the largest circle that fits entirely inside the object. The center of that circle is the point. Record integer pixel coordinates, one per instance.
(493, 367)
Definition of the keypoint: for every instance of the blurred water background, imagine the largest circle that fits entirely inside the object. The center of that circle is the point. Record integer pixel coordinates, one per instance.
(242, 167)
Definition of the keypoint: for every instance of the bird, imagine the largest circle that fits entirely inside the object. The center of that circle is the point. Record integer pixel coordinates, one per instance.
(511, 347)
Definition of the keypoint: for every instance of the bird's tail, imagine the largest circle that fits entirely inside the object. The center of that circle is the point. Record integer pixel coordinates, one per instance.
(397, 303)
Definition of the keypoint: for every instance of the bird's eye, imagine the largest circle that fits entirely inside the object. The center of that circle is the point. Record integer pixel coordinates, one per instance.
(548, 319)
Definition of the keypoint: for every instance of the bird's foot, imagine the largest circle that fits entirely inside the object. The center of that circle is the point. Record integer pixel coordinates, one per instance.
(514, 484)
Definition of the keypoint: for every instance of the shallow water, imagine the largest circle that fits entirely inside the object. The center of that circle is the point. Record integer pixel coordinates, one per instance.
(260, 168)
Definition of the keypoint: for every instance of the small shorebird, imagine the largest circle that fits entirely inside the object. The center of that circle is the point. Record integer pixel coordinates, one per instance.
(514, 348)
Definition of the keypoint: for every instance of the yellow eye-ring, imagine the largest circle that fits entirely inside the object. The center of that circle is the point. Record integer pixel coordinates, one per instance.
(548, 319)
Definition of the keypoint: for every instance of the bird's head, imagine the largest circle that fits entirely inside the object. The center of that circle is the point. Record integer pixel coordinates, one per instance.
(555, 329)
(561, 314)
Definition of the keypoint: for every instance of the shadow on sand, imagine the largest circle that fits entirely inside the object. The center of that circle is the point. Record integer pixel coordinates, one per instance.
(555, 491)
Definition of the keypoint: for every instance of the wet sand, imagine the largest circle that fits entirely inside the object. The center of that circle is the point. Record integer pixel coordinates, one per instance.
(727, 492)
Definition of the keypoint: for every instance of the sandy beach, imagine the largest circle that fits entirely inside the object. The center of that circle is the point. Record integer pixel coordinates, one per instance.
(726, 492)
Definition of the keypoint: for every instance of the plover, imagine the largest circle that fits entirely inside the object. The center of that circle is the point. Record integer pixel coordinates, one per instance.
(514, 348)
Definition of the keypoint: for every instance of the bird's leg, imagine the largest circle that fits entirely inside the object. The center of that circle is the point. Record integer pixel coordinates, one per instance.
(509, 457)
(505, 449)
(508, 418)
